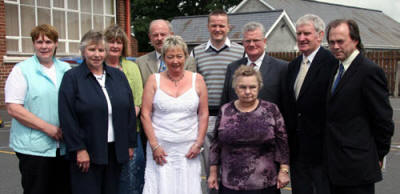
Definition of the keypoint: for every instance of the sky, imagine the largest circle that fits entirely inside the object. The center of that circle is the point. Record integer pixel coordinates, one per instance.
(389, 7)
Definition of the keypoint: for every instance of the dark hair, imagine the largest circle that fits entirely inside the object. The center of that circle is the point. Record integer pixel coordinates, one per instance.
(218, 12)
(44, 30)
(115, 32)
(353, 30)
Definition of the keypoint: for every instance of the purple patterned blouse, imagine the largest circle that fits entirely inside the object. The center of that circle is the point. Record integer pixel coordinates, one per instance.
(248, 147)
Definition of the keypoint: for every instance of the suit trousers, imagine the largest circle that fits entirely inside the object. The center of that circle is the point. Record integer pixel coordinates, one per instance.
(100, 178)
(358, 189)
(44, 175)
(308, 178)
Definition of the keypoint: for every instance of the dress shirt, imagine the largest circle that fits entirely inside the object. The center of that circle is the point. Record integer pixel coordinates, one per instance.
(158, 55)
(303, 70)
(346, 63)
(258, 62)
(226, 44)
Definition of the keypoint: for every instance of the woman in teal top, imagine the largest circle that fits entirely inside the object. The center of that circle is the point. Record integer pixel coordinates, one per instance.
(31, 95)
(132, 175)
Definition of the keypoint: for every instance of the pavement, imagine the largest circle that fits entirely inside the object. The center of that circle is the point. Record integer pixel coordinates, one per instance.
(10, 177)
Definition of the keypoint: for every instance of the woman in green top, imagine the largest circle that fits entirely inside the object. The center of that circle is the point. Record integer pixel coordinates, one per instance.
(132, 175)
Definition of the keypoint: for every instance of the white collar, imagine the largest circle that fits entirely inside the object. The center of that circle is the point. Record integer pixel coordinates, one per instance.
(158, 55)
(258, 62)
(347, 62)
(209, 44)
(311, 56)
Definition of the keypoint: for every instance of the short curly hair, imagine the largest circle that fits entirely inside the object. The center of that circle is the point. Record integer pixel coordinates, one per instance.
(247, 71)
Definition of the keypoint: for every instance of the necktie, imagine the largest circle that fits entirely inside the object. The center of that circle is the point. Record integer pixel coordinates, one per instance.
(162, 66)
(301, 76)
(339, 76)
(253, 65)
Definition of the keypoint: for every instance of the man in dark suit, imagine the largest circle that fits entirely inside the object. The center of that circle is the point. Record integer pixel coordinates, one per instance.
(359, 115)
(273, 71)
(307, 85)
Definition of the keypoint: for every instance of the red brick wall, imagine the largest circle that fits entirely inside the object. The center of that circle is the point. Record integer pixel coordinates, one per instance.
(2, 31)
(121, 21)
(4, 68)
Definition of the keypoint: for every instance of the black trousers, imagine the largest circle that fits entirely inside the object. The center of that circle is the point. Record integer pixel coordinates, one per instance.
(358, 189)
(44, 175)
(308, 178)
(100, 179)
(269, 190)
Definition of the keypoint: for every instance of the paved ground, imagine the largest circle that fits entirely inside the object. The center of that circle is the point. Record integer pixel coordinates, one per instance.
(10, 177)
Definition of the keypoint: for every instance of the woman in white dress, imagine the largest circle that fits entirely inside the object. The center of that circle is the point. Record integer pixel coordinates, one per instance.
(175, 117)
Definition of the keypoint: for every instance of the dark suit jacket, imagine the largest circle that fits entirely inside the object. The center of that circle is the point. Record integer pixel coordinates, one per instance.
(148, 65)
(273, 72)
(84, 113)
(305, 117)
(359, 124)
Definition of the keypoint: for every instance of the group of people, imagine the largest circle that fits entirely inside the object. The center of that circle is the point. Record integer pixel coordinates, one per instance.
(322, 122)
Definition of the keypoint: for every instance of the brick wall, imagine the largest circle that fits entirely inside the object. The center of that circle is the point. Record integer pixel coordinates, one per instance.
(4, 68)
(121, 21)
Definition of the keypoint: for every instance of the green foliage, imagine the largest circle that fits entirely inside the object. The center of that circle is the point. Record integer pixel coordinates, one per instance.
(144, 11)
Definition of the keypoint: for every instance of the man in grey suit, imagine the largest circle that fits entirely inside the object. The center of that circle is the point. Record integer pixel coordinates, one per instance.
(273, 71)
(152, 62)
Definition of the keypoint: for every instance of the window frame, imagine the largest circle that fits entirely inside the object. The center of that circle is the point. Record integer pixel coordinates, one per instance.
(66, 10)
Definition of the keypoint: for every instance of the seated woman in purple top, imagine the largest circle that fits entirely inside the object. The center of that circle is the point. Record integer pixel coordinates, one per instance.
(250, 145)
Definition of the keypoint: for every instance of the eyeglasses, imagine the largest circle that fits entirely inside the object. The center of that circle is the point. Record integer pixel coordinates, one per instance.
(252, 40)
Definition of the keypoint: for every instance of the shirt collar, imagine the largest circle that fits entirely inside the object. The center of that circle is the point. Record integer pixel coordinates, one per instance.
(311, 56)
(158, 55)
(87, 72)
(347, 62)
(257, 62)
(226, 44)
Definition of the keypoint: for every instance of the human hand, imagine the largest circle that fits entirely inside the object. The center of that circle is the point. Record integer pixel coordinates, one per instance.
(53, 132)
(131, 152)
(213, 181)
(194, 151)
(159, 155)
(283, 179)
(83, 160)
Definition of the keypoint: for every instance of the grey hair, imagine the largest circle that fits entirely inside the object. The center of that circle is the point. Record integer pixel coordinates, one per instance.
(91, 37)
(171, 29)
(247, 71)
(252, 26)
(316, 21)
(174, 41)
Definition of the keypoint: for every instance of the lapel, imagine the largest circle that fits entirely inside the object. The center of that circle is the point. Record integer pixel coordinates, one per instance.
(348, 74)
(293, 75)
(152, 63)
(265, 68)
(315, 66)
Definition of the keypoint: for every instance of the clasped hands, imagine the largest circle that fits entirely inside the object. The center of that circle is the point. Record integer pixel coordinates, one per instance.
(159, 155)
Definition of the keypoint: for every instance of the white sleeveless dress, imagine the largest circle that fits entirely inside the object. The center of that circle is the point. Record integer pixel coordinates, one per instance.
(175, 125)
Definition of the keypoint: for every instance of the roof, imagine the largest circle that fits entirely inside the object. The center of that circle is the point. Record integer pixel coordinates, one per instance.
(377, 29)
(193, 29)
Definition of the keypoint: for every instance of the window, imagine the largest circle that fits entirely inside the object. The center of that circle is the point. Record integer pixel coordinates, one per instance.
(72, 18)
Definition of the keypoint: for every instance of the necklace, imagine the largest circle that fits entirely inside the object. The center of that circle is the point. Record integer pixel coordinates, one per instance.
(175, 80)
